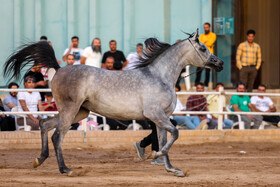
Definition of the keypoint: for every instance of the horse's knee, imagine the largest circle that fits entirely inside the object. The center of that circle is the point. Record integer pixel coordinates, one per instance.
(48, 124)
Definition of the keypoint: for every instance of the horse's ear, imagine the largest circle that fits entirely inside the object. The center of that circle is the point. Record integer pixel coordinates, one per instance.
(196, 35)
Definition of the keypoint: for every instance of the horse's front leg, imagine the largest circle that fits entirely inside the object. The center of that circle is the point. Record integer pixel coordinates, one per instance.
(45, 125)
(163, 124)
(162, 138)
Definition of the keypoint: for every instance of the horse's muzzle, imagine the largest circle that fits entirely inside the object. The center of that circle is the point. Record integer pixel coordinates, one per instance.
(214, 63)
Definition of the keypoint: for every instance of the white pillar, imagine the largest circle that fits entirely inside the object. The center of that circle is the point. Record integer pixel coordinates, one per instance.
(220, 109)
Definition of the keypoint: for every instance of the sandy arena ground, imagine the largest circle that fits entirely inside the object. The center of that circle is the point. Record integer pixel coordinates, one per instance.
(214, 164)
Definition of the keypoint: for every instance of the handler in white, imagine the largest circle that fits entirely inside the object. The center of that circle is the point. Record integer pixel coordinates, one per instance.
(92, 54)
(29, 101)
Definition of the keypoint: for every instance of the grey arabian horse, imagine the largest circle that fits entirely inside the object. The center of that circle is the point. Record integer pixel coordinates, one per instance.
(146, 92)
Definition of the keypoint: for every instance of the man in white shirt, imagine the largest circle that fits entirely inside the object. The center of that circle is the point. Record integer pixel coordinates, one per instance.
(74, 50)
(30, 101)
(133, 58)
(265, 104)
(92, 54)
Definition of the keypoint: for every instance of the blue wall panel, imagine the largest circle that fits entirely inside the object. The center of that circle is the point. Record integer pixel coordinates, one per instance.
(126, 21)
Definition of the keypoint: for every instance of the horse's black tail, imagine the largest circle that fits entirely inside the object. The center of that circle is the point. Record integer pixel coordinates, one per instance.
(40, 53)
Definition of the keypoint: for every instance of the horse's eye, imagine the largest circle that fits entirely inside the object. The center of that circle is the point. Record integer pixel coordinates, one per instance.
(202, 48)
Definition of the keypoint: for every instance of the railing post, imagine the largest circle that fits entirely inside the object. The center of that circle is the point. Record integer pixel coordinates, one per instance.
(187, 78)
(220, 108)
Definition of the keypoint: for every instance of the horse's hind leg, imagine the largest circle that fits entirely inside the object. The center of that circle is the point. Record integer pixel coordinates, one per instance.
(65, 120)
(45, 125)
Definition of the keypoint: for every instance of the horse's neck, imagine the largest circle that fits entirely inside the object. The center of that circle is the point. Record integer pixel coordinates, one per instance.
(169, 65)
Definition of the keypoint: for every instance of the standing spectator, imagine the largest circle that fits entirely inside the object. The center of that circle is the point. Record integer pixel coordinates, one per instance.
(10, 101)
(70, 59)
(44, 38)
(44, 70)
(116, 54)
(265, 104)
(248, 60)
(208, 39)
(39, 78)
(242, 103)
(74, 50)
(134, 57)
(29, 101)
(213, 104)
(92, 54)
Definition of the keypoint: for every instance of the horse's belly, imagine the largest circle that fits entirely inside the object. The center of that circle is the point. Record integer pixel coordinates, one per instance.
(116, 110)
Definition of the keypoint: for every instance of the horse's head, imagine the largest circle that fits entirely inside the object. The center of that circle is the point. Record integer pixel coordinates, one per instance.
(202, 56)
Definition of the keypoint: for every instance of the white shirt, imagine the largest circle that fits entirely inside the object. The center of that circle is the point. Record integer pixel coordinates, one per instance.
(179, 107)
(133, 60)
(261, 104)
(93, 58)
(31, 100)
(77, 52)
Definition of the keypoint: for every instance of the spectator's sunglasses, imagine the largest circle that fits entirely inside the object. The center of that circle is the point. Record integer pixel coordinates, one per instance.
(30, 80)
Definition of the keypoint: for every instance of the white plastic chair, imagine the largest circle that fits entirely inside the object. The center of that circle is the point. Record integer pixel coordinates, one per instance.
(105, 126)
(239, 123)
(18, 127)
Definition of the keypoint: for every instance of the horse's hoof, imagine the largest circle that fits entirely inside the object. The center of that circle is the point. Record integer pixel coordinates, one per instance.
(179, 173)
(71, 173)
(152, 155)
(36, 163)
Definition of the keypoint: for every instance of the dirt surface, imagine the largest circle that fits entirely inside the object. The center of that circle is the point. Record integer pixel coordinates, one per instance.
(219, 164)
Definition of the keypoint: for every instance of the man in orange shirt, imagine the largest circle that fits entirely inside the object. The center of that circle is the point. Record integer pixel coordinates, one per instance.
(208, 39)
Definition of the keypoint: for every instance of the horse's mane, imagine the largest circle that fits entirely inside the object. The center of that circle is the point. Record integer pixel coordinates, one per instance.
(153, 49)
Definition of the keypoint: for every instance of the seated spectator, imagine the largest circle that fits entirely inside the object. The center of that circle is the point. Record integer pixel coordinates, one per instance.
(10, 101)
(70, 59)
(29, 101)
(109, 63)
(198, 103)
(213, 104)
(7, 123)
(242, 103)
(265, 104)
(39, 78)
(190, 122)
(49, 105)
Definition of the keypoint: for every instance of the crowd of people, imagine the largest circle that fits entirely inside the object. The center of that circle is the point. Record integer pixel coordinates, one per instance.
(248, 61)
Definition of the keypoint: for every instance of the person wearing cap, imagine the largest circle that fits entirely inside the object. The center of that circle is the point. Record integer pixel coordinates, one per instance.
(29, 101)
(39, 79)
